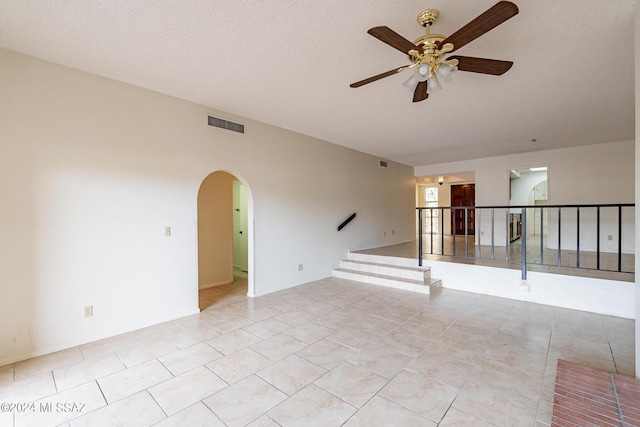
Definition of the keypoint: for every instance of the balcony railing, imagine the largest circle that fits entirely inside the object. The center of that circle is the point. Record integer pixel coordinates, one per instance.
(596, 237)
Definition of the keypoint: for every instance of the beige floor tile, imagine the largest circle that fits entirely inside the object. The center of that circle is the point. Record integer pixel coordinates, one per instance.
(128, 382)
(291, 374)
(459, 348)
(501, 375)
(309, 332)
(260, 313)
(334, 320)
(458, 300)
(6, 419)
(405, 343)
(469, 333)
(311, 407)
(145, 351)
(233, 341)
(494, 405)
(189, 358)
(197, 415)
(429, 330)
(239, 365)
(229, 323)
(377, 325)
(244, 401)
(158, 331)
(326, 353)
(180, 392)
(28, 389)
(381, 359)
(545, 411)
(355, 338)
(394, 313)
(527, 327)
(137, 410)
(379, 412)
(263, 421)
(109, 345)
(267, 328)
(351, 383)
(278, 347)
(441, 367)
(296, 317)
(63, 407)
(420, 394)
(446, 315)
(618, 328)
(570, 343)
(192, 335)
(488, 322)
(625, 364)
(319, 308)
(533, 343)
(47, 363)
(457, 418)
(518, 357)
(88, 370)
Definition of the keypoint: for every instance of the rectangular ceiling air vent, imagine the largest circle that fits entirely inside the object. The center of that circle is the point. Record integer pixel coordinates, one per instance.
(383, 164)
(226, 124)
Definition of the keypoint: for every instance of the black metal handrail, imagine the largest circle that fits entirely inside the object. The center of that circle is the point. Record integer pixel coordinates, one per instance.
(346, 221)
(475, 214)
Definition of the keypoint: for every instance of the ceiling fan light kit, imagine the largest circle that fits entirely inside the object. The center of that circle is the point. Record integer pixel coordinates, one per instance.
(427, 53)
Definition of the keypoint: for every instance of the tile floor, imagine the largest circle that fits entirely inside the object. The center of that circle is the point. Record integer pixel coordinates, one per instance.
(328, 353)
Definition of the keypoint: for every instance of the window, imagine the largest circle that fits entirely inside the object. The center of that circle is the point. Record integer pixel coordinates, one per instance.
(431, 215)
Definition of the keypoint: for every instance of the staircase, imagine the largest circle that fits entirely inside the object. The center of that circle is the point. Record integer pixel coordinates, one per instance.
(399, 273)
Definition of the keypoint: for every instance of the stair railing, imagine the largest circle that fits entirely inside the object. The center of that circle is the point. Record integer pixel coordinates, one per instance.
(578, 234)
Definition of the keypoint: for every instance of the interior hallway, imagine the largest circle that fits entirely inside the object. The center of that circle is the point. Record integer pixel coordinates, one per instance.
(331, 352)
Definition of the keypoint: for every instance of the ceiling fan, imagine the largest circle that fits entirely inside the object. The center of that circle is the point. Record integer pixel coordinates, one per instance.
(427, 53)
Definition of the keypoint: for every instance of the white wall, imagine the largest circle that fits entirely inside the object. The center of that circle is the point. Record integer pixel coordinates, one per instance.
(590, 294)
(91, 172)
(602, 173)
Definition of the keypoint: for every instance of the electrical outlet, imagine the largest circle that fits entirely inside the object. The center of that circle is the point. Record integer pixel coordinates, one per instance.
(300, 267)
(167, 231)
(384, 234)
(609, 237)
(88, 311)
(393, 232)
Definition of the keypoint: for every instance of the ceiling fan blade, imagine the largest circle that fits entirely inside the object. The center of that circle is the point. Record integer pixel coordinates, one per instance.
(393, 39)
(420, 93)
(482, 65)
(490, 19)
(380, 76)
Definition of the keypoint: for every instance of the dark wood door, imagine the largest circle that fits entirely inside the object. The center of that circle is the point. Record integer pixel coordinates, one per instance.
(463, 195)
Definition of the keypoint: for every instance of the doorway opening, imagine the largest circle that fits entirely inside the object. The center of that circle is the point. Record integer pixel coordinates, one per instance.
(463, 221)
(528, 187)
(224, 238)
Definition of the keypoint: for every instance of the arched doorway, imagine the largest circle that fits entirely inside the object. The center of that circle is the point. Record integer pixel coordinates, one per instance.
(225, 235)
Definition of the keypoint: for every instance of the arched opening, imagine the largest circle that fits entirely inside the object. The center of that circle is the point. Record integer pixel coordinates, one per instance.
(225, 235)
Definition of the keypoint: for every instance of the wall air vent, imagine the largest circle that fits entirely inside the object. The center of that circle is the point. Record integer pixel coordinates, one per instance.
(226, 124)
(383, 164)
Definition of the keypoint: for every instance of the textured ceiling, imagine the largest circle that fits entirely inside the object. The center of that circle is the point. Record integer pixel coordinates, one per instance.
(290, 62)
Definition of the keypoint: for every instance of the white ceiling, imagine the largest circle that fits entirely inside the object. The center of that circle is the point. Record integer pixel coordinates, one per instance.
(290, 62)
